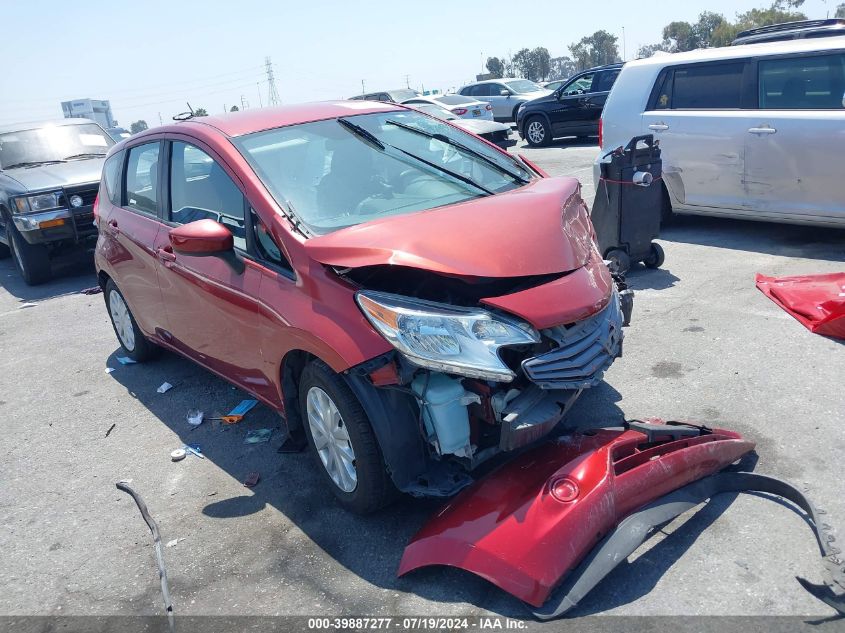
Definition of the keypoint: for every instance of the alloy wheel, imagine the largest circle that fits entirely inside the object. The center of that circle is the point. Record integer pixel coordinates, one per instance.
(331, 439)
(122, 320)
(536, 132)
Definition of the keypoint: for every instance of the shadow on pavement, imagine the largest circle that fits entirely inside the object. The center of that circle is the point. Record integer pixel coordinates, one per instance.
(639, 277)
(786, 240)
(371, 546)
(72, 273)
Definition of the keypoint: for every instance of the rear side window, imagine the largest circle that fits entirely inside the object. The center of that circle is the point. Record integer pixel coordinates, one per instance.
(142, 178)
(802, 83)
(708, 86)
(111, 173)
(201, 189)
(604, 82)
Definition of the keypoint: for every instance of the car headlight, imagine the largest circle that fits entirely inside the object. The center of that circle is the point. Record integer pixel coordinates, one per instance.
(38, 202)
(462, 341)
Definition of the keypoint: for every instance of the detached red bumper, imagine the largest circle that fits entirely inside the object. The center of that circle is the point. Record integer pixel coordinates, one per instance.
(529, 523)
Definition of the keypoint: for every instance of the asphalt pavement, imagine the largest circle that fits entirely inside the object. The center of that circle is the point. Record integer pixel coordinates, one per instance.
(703, 345)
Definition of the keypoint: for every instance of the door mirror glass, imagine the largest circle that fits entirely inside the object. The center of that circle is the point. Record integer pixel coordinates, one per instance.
(202, 237)
(504, 93)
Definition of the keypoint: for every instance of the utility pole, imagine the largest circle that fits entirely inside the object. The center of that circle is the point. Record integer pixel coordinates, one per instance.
(363, 89)
(160, 122)
(272, 93)
(244, 103)
(407, 81)
(258, 85)
(624, 53)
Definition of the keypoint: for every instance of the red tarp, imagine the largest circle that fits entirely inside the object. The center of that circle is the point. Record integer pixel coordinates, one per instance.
(817, 301)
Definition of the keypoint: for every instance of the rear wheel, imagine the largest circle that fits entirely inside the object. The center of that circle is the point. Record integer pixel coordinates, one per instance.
(537, 132)
(31, 260)
(133, 342)
(342, 441)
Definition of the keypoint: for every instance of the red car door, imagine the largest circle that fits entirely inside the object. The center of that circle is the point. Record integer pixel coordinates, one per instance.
(130, 233)
(212, 308)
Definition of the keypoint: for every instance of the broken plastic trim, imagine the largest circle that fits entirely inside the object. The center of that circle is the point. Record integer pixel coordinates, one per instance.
(633, 531)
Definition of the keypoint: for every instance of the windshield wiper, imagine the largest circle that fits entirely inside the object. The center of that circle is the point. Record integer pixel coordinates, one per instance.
(369, 137)
(361, 132)
(85, 155)
(460, 146)
(31, 163)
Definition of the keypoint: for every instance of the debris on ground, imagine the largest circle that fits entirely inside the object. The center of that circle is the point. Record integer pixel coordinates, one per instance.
(252, 480)
(258, 436)
(165, 387)
(178, 455)
(816, 301)
(93, 290)
(194, 417)
(162, 571)
(109, 370)
(125, 360)
(194, 449)
(173, 542)
(111, 428)
(237, 414)
(27, 305)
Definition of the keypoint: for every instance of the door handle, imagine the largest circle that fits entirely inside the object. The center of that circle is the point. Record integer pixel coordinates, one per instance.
(113, 226)
(165, 254)
(658, 127)
(762, 130)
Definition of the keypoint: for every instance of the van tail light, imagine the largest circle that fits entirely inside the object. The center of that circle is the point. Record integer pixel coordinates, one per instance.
(488, 107)
(96, 209)
(601, 132)
(460, 111)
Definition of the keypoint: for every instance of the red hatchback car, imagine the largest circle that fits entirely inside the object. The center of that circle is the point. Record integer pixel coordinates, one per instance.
(412, 300)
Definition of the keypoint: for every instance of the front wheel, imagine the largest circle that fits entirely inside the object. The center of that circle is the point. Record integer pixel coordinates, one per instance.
(31, 260)
(133, 342)
(342, 441)
(537, 132)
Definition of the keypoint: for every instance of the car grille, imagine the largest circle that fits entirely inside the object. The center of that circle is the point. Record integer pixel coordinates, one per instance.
(584, 351)
(83, 217)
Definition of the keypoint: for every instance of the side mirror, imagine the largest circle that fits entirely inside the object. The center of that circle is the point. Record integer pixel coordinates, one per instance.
(206, 238)
(504, 93)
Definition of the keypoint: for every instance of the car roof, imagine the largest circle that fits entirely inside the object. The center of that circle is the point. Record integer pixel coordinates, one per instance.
(493, 81)
(258, 119)
(743, 50)
(34, 125)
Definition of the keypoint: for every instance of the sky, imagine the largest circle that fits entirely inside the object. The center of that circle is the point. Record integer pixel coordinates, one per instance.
(151, 57)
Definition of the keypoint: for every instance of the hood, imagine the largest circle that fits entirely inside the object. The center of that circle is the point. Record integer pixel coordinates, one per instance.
(534, 96)
(480, 126)
(546, 98)
(538, 229)
(55, 175)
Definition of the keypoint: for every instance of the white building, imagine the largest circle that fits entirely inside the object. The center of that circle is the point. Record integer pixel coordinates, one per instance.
(98, 110)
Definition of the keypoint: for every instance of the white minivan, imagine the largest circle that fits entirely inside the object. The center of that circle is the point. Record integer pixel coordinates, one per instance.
(754, 132)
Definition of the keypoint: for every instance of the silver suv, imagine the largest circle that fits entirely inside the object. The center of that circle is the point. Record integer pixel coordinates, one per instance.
(505, 95)
(49, 177)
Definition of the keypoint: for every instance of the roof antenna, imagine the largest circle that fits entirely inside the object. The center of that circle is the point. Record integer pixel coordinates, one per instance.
(184, 116)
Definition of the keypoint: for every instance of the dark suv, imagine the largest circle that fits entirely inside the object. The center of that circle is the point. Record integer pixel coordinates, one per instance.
(49, 176)
(573, 109)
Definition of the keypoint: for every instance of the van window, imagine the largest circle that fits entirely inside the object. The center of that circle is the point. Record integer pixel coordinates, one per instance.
(708, 86)
(142, 178)
(201, 189)
(802, 83)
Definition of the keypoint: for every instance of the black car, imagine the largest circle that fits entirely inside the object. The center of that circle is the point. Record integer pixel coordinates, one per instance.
(573, 109)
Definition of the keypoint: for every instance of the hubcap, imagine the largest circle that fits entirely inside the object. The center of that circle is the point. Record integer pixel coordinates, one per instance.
(122, 321)
(331, 439)
(536, 132)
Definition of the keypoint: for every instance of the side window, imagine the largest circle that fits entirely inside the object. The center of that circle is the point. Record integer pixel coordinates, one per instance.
(802, 83)
(605, 80)
(470, 91)
(142, 178)
(580, 85)
(266, 245)
(201, 189)
(111, 172)
(708, 86)
(663, 91)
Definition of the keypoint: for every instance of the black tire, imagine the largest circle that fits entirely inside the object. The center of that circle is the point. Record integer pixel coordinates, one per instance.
(31, 260)
(657, 256)
(514, 113)
(537, 132)
(373, 488)
(619, 260)
(667, 216)
(142, 348)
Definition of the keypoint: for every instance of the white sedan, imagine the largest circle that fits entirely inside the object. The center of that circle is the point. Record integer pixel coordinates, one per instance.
(459, 105)
(497, 133)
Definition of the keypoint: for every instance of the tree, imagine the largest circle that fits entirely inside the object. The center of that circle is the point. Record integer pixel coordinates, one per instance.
(561, 67)
(234, 109)
(542, 62)
(780, 11)
(200, 112)
(595, 50)
(522, 63)
(138, 126)
(496, 67)
(840, 11)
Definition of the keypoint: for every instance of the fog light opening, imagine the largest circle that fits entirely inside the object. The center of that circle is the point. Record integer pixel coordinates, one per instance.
(564, 490)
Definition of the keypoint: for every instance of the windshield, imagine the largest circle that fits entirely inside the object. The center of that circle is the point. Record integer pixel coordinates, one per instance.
(53, 143)
(332, 174)
(522, 85)
(402, 95)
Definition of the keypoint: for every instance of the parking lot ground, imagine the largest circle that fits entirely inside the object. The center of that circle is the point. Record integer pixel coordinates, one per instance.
(704, 345)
